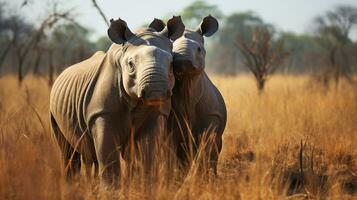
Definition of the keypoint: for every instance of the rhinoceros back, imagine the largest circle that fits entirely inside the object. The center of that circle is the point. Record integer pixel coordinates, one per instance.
(68, 95)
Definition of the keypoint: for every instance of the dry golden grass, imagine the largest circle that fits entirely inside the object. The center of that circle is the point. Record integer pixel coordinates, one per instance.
(261, 148)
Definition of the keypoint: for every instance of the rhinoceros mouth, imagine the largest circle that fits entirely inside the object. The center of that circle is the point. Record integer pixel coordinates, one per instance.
(185, 68)
(154, 102)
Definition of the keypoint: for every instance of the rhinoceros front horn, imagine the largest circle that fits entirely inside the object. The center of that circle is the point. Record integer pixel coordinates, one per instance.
(174, 28)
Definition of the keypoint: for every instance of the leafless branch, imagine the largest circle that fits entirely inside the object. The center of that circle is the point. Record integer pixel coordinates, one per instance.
(100, 12)
(23, 49)
(262, 57)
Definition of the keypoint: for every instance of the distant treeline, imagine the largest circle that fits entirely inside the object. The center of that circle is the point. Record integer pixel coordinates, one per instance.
(59, 41)
(329, 42)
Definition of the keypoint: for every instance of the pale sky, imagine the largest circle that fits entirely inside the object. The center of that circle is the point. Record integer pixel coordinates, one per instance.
(287, 15)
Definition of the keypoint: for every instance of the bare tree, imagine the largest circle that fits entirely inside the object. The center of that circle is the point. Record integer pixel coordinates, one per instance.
(334, 29)
(263, 55)
(23, 44)
(20, 41)
(11, 28)
(5, 52)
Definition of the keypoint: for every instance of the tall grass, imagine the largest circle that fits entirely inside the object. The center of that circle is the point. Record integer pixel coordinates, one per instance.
(295, 140)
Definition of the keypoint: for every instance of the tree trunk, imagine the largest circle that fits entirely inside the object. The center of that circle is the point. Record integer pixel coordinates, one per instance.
(260, 85)
(4, 54)
(20, 62)
(19, 71)
(50, 67)
(337, 76)
(335, 66)
(37, 62)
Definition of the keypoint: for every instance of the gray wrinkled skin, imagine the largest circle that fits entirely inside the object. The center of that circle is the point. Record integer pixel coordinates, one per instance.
(197, 105)
(102, 105)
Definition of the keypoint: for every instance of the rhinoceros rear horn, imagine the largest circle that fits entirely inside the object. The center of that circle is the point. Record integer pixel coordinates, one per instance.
(157, 24)
(208, 26)
(118, 31)
(174, 28)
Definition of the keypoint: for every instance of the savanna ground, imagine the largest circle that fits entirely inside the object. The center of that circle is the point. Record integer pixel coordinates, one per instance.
(296, 140)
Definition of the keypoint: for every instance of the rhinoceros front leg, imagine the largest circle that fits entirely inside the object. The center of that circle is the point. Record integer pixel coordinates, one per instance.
(214, 152)
(106, 142)
(210, 142)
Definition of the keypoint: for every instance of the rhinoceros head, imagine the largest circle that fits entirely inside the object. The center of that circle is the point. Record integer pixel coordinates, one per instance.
(189, 52)
(145, 59)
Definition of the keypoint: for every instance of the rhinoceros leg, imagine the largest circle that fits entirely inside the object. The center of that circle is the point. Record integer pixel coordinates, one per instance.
(71, 158)
(210, 142)
(106, 142)
(186, 150)
(215, 149)
(89, 164)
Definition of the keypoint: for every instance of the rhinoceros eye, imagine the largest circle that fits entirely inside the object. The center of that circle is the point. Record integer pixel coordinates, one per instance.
(131, 65)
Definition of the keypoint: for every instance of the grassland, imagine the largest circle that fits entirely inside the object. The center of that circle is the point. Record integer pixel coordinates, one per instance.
(296, 140)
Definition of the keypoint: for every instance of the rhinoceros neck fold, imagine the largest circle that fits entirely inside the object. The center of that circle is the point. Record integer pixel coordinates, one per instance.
(142, 116)
(187, 93)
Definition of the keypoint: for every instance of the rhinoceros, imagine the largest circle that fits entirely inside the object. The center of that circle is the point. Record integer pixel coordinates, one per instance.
(100, 106)
(198, 108)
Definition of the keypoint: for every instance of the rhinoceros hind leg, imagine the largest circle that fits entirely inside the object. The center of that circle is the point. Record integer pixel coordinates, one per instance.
(71, 158)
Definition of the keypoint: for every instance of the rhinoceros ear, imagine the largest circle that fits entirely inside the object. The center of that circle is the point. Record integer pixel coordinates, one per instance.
(208, 26)
(119, 32)
(174, 28)
(157, 24)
